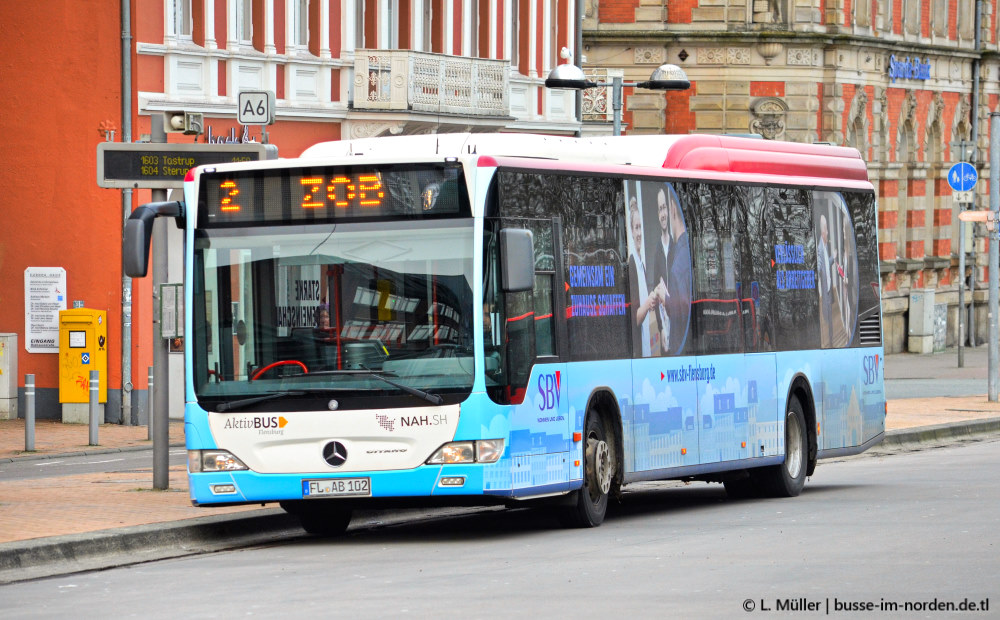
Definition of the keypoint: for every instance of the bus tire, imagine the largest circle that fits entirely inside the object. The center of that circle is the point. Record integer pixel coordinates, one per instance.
(320, 518)
(590, 503)
(787, 479)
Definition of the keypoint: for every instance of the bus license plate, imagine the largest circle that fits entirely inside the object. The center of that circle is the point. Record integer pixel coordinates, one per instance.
(334, 487)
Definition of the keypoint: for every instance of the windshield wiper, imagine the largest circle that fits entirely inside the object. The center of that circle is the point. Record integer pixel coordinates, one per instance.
(246, 402)
(433, 399)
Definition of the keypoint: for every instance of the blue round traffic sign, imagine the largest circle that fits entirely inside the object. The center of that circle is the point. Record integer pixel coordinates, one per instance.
(962, 177)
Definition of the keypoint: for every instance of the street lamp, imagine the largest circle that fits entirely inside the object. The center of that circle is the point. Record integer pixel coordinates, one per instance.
(665, 77)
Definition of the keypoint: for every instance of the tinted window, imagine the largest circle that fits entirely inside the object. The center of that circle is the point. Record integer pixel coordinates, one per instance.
(758, 273)
(717, 217)
(862, 211)
(796, 302)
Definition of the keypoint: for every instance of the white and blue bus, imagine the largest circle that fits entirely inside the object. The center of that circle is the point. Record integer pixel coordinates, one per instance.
(521, 319)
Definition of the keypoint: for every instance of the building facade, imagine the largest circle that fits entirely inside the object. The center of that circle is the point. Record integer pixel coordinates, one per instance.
(338, 69)
(895, 79)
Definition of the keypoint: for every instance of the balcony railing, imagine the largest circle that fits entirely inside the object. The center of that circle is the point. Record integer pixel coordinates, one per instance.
(425, 82)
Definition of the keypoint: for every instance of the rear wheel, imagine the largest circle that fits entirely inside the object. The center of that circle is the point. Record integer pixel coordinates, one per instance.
(591, 500)
(787, 479)
(321, 518)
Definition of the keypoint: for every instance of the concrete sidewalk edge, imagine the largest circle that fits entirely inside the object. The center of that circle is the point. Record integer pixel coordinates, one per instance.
(60, 555)
(941, 432)
(43, 557)
(85, 452)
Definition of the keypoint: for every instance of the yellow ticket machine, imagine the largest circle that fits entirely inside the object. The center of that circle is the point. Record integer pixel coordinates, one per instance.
(83, 346)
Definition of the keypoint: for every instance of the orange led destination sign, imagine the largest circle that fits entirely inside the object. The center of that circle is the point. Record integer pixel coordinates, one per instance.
(330, 193)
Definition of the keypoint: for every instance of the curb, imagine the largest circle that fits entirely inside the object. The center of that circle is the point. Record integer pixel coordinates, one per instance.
(97, 450)
(941, 432)
(60, 555)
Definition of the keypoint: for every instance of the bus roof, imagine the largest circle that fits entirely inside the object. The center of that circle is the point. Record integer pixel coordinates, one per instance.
(695, 152)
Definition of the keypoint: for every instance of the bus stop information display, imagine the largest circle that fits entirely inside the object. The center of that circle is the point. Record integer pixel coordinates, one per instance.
(163, 166)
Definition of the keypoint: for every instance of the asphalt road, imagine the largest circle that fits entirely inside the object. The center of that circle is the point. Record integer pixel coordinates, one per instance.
(25, 469)
(908, 528)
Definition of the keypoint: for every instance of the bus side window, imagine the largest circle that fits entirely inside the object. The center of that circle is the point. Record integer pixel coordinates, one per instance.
(758, 275)
(796, 315)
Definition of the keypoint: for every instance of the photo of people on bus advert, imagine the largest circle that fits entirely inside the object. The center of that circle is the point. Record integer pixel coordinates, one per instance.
(659, 267)
(836, 270)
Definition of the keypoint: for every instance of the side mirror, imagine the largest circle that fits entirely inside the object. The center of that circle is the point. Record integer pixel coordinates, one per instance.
(139, 231)
(518, 264)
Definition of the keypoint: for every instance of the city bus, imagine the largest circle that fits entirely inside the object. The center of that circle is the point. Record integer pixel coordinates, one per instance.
(523, 320)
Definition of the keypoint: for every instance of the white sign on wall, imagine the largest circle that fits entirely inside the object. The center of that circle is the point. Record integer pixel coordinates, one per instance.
(44, 297)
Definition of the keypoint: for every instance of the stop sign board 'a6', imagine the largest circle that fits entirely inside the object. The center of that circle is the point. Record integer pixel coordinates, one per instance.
(962, 177)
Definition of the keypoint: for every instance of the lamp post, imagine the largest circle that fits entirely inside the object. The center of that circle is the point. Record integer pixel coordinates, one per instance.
(665, 77)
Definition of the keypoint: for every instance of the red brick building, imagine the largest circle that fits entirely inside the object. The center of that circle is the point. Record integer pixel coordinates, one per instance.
(337, 68)
(893, 78)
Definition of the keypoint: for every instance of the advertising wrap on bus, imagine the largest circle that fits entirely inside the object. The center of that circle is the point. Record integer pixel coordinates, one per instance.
(525, 319)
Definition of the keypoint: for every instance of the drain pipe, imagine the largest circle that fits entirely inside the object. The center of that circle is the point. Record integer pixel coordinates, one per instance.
(974, 137)
(126, 337)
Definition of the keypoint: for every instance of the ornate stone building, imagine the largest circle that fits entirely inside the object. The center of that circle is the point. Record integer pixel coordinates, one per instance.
(892, 78)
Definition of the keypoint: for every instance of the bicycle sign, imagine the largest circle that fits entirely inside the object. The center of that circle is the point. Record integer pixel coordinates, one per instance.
(962, 177)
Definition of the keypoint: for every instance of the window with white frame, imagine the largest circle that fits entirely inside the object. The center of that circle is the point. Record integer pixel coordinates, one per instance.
(300, 23)
(244, 22)
(179, 18)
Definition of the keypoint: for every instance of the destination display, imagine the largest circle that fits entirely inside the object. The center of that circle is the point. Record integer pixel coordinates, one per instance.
(331, 193)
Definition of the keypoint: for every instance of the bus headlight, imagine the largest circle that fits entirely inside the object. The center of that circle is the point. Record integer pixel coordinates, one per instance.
(489, 450)
(213, 460)
(482, 451)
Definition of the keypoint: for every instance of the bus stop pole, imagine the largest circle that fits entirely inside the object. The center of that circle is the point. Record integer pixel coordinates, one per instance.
(994, 258)
(961, 278)
(161, 407)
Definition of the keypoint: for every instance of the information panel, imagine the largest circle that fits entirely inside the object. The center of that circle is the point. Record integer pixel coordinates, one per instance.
(163, 166)
(44, 297)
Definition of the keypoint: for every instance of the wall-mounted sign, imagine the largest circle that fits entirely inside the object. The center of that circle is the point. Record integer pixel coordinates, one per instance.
(44, 297)
(909, 68)
(149, 165)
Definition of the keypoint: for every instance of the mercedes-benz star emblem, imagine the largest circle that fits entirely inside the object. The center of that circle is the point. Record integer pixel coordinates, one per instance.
(335, 453)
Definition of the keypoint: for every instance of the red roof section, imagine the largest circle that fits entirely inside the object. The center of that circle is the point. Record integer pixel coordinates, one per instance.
(753, 156)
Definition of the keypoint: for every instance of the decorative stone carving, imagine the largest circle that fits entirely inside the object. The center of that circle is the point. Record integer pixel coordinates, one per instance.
(905, 132)
(649, 56)
(375, 129)
(933, 128)
(801, 56)
(857, 130)
(712, 56)
(738, 56)
(768, 50)
(766, 11)
(881, 114)
(768, 117)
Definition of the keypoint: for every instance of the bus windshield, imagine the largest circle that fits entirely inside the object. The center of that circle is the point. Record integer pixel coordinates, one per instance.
(373, 314)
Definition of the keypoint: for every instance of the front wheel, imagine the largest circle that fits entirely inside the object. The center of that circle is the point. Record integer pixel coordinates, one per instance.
(591, 500)
(787, 479)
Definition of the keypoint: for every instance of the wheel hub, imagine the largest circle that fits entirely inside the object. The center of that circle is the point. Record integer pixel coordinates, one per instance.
(599, 465)
(793, 446)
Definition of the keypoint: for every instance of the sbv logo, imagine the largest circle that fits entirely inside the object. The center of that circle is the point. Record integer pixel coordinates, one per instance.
(548, 389)
(870, 368)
